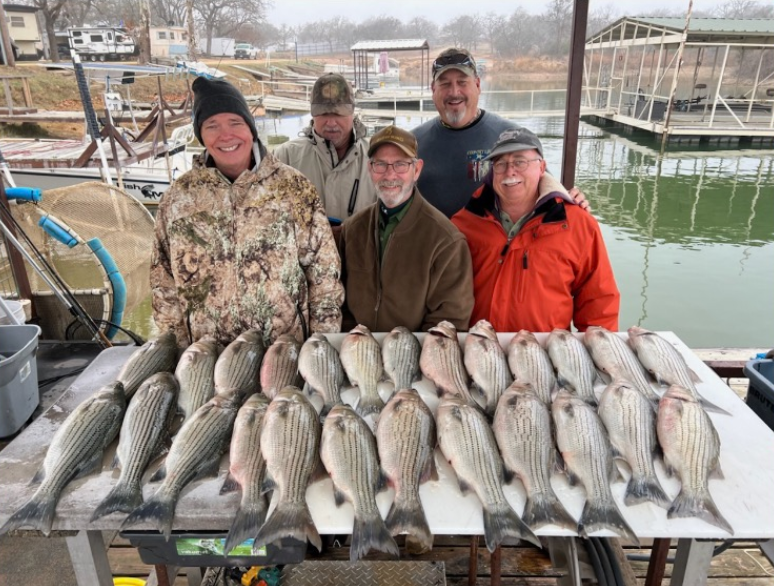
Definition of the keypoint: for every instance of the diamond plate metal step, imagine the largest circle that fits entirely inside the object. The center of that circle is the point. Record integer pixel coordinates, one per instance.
(364, 574)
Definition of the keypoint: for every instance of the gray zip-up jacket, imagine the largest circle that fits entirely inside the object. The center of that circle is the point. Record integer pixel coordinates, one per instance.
(340, 183)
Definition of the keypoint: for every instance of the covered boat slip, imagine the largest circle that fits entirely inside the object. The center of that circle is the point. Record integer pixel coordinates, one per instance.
(711, 82)
(743, 496)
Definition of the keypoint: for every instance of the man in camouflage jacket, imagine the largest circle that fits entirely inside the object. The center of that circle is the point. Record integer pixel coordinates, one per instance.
(242, 245)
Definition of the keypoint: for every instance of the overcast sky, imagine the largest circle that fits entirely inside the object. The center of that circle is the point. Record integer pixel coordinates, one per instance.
(294, 12)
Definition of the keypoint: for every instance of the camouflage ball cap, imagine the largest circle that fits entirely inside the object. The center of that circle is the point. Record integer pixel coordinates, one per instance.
(402, 139)
(332, 94)
(514, 140)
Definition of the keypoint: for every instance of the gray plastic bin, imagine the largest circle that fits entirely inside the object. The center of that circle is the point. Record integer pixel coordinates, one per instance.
(18, 376)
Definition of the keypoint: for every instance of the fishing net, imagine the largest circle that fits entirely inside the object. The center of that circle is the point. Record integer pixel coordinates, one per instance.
(91, 210)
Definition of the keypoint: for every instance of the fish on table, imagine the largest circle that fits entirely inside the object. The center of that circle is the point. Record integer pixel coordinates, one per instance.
(441, 361)
(361, 357)
(76, 450)
(530, 363)
(574, 367)
(400, 355)
(159, 355)
(239, 364)
(195, 372)
(279, 368)
(144, 431)
(348, 450)
(487, 364)
(320, 366)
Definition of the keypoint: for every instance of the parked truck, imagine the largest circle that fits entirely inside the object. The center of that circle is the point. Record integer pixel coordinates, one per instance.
(102, 43)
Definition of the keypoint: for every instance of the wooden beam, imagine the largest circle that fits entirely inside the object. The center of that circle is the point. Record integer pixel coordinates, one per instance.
(574, 89)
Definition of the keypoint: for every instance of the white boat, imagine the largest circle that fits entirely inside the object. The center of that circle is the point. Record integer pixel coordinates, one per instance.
(50, 164)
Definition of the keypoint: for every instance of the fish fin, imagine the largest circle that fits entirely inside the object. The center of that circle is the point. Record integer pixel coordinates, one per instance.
(308, 390)
(717, 472)
(37, 513)
(604, 377)
(406, 515)
(502, 522)
(604, 514)
(417, 376)
(230, 484)
(159, 474)
(645, 489)
(694, 377)
(319, 472)
(465, 488)
(508, 475)
(268, 484)
(39, 476)
(339, 497)
(89, 465)
(475, 389)
(563, 383)
(615, 473)
(124, 497)
(369, 405)
(116, 463)
(208, 468)
(709, 406)
(371, 533)
(698, 505)
(429, 472)
(158, 510)
(247, 522)
(545, 509)
(381, 482)
(289, 519)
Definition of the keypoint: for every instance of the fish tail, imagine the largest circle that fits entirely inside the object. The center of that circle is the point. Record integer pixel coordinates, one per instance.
(407, 515)
(545, 509)
(698, 505)
(37, 513)
(159, 509)
(288, 520)
(645, 488)
(502, 522)
(369, 533)
(124, 497)
(710, 406)
(604, 514)
(369, 405)
(247, 522)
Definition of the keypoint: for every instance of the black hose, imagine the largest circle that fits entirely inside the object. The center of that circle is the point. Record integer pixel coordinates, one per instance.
(72, 329)
(596, 564)
(641, 557)
(614, 565)
(604, 560)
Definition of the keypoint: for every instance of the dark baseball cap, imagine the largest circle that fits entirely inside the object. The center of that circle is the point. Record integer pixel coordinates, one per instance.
(332, 94)
(514, 140)
(402, 139)
(455, 58)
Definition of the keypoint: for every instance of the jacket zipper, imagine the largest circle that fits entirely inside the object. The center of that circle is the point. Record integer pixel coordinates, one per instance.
(522, 285)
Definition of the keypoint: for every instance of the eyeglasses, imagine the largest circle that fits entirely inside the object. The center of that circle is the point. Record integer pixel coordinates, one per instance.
(518, 164)
(400, 167)
(456, 59)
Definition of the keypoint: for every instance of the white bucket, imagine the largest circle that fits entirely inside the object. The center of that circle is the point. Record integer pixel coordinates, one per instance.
(17, 310)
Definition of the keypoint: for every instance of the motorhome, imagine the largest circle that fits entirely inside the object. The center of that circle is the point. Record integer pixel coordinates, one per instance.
(102, 43)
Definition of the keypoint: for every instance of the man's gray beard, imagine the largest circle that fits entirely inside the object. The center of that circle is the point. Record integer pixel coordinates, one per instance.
(454, 117)
(393, 200)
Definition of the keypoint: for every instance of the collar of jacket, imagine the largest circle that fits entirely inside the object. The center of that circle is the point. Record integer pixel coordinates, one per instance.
(411, 217)
(550, 206)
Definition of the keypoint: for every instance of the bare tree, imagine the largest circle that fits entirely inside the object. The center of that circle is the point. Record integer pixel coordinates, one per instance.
(51, 10)
(744, 9)
(379, 28)
(169, 11)
(75, 13)
(421, 28)
(559, 16)
(226, 16)
(463, 31)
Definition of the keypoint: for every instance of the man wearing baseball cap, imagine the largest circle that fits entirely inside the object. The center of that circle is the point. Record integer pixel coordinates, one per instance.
(404, 263)
(539, 261)
(332, 151)
(455, 145)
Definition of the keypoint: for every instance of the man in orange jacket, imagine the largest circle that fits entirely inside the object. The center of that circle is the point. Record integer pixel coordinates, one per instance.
(539, 261)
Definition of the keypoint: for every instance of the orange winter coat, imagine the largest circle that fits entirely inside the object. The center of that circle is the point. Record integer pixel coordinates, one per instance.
(555, 270)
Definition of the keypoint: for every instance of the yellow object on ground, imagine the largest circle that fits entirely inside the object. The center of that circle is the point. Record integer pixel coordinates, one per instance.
(126, 581)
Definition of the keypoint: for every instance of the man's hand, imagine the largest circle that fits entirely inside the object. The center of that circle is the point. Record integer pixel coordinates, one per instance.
(580, 199)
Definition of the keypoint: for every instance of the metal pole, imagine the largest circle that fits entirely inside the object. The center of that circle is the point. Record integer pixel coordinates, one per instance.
(574, 90)
(675, 77)
(656, 81)
(755, 86)
(717, 89)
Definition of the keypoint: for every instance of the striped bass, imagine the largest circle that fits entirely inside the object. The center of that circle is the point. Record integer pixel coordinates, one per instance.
(143, 433)
(361, 357)
(280, 366)
(691, 451)
(522, 428)
(530, 364)
(400, 354)
(406, 439)
(320, 365)
(614, 357)
(290, 441)
(159, 355)
(246, 471)
(587, 455)
(196, 374)
(631, 426)
(666, 364)
(441, 362)
(348, 450)
(239, 365)
(195, 452)
(574, 367)
(468, 443)
(75, 450)
(486, 364)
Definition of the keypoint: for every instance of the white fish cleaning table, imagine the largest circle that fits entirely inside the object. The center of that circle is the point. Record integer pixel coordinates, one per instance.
(743, 496)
